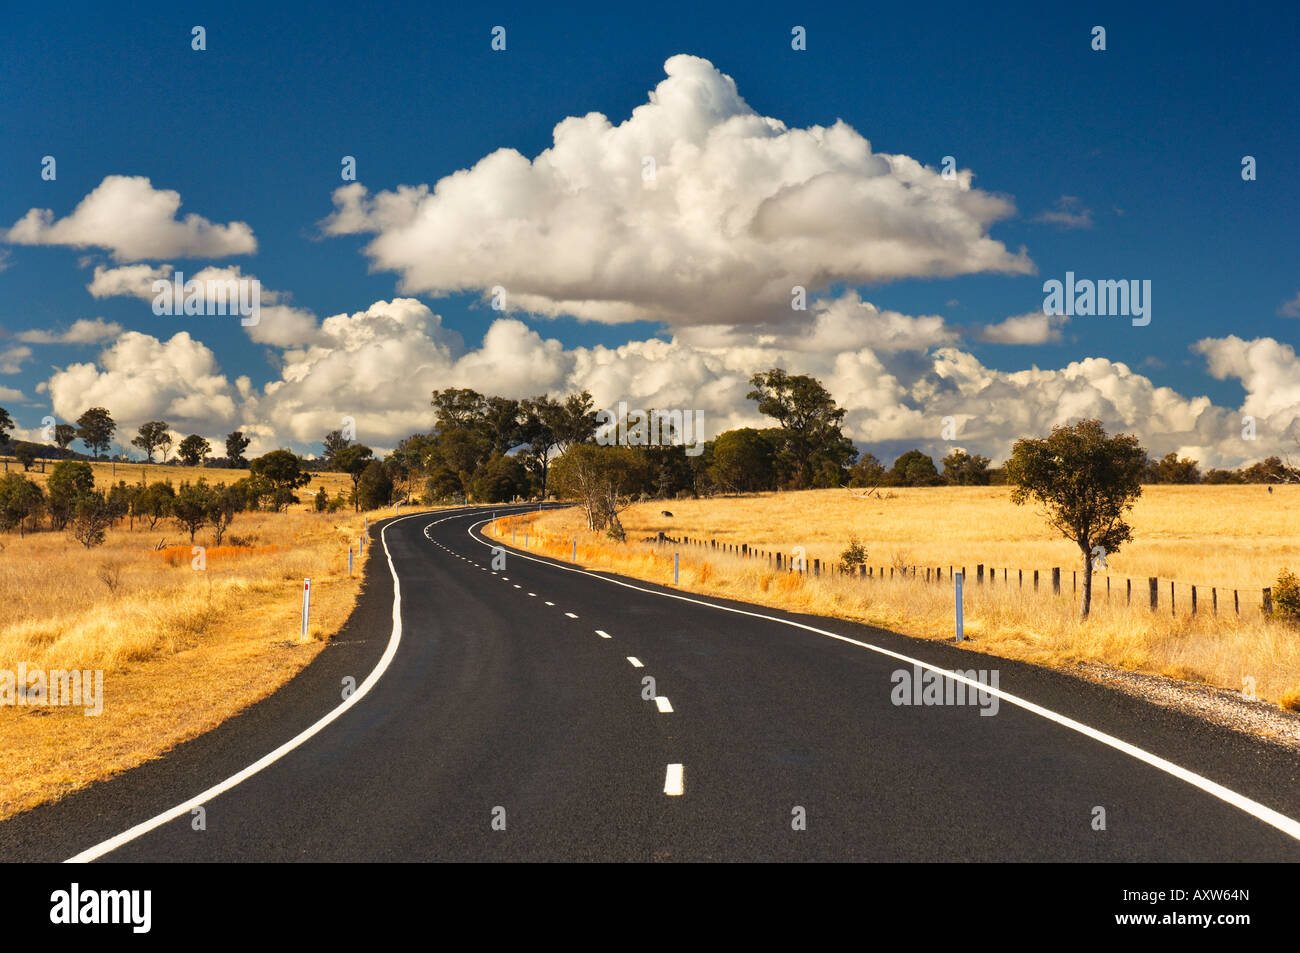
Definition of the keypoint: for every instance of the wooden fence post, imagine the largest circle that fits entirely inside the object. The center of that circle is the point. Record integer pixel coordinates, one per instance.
(1154, 585)
(1128, 599)
(1214, 598)
(1056, 581)
(1035, 580)
(979, 573)
(1193, 600)
(1173, 609)
(1268, 600)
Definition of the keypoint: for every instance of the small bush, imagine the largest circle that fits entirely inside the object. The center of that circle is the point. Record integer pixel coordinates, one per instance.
(1290, 699)
(1286, 597)
(853, 557)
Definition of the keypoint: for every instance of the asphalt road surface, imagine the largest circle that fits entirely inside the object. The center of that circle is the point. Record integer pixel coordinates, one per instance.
(503, 715)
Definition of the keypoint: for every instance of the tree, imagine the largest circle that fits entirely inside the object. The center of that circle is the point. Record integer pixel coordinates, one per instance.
(93, 515)
(236, 444)
(25, 454)
(540, 417)
(223, 503)
(410, 461)
(914, 468)
(95, 428)
(744, 461)
(193, 505)
(1170, 469)
(867, 472)
(500, 480)
(20, 500)
(193, 449)
(353, 461)
(575, 421)
(597, 477)
(64, 434)
(962, 469)
(375, 487)
(813, 450)
(1085, 482)
(69, 481)
(335, 443)
(6, 425)
(155, 502)
(1269, 470)
(126, 497)
(280, 472)
(152, 435)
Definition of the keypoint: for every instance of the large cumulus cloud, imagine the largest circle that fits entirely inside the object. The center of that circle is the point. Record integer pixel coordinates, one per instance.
(740, 209)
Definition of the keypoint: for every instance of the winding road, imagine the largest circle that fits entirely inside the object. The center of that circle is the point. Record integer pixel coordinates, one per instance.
(503, 714)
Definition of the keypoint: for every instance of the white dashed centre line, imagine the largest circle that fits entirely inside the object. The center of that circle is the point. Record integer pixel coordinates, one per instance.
(636, 662)
(517, 586)
(533, 594)
(603, 634)
(570, 615)
(550, 603)
(665, 706)
(675, 781)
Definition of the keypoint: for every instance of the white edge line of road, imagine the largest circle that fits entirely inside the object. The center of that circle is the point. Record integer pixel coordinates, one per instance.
(1286, 825)
(394, 640)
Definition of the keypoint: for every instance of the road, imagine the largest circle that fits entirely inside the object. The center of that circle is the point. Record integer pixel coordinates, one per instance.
(504, 717)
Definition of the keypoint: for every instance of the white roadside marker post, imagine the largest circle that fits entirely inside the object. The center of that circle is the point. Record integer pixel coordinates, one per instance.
(957, 584)
(575, 551)
(349, 562)
(676, 565)
(306, 607)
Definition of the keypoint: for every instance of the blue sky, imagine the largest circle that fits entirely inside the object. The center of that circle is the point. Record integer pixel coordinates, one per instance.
(1139, 145)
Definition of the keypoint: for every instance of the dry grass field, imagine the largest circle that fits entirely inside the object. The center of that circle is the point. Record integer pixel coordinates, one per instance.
(1209, 536)
(181, 650)
(108, 474)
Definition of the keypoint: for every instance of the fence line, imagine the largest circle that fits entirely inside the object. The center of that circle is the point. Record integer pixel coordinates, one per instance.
(988, 575)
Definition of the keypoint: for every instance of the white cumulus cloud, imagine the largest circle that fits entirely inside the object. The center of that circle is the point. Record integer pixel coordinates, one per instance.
(740, 209)
(127, 216)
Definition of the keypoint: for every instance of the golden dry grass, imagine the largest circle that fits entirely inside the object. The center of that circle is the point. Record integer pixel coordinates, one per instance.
(181, 650)
(109, 474)
(1227, 537)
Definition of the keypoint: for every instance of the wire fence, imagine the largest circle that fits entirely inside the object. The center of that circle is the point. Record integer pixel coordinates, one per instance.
(1149, 592)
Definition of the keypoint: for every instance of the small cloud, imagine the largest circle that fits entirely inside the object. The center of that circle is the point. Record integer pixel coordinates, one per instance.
(1067, 213)
(84, 331)
(1152, 361)
(1032, 328)
(11, 359)
(4, 258)
(11, 395)
(127, 216)
(952, 303)
(1291, 309)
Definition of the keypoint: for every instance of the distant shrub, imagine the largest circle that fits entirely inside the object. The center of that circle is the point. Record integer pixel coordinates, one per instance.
(1286, 597)
(853, 557)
